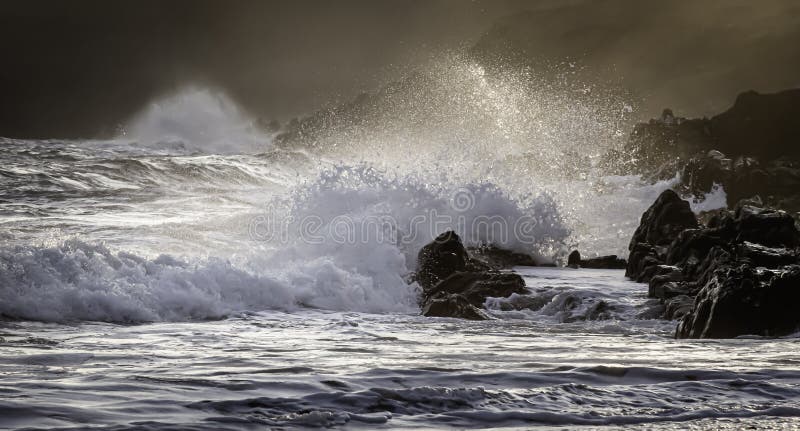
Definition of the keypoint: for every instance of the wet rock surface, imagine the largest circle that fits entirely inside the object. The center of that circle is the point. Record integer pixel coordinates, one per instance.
(745, 300)
(604, 262)
(666, 218)
(456, 283)
(737, 275)
(601, 262)
(499, 258)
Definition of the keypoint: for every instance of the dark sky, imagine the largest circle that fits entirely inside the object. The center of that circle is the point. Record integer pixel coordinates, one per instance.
(79, 67)
(71, 65)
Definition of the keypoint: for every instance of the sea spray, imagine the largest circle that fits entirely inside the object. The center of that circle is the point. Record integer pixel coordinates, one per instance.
(197, 120)
(329, 217)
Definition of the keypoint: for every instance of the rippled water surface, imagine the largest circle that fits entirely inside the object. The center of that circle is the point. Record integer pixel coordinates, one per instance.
(322, 369)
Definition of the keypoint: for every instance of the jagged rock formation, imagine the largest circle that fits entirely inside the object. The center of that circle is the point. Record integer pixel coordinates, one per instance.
(660, 225)
(454, 284)
(737, 275)
(775, 182)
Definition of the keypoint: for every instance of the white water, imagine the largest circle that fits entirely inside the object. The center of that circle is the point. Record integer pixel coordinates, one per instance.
(194, 273)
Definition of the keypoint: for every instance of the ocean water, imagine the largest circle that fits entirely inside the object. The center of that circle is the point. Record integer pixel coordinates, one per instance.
(195, 274)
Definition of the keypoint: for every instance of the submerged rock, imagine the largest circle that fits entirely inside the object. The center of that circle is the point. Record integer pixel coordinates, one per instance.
(602, 262)
(477, 286)
(668, 216)
(455, 284)
(452, 305)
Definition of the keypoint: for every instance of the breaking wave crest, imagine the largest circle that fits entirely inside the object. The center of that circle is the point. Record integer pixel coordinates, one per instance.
(79, 281)
(165, 223)
(367, 228)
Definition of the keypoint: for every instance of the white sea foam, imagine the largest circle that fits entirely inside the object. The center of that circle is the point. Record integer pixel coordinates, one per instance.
(197, 120)
(79, 281)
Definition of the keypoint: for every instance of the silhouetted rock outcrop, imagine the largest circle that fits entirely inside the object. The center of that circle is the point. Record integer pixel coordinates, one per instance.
(455, 284)
(499, 258)
(734, 276)
(574, 259)
(440, 258)
(666, 218)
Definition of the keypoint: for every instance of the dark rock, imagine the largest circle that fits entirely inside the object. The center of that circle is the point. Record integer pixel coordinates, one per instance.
(604, 262)
(660, 225)
(664, 275)
(746, 177)
(641, 258)
(701, 173)
(452, 305)
(440, 258)
(764, 125)
(668, 216)
(455, 284)
(733, 277)
(600, 311)
(670, 289)
(768, 257)
(574, 259)
(743, 301)
(692, 246)
(770, 120)
(499, 258)
(767, 227)
(700, 273)
(758, 134)
(477, 286)
(678, 306)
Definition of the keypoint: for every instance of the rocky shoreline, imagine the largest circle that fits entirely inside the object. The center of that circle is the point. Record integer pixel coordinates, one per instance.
(738, 274)
(723, 274)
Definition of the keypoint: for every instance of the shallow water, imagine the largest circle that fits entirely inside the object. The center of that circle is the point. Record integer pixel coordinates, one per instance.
(322, 369)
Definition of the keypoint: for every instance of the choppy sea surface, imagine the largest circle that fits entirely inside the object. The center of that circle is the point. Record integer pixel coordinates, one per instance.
(374, 371)
(184, 282)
